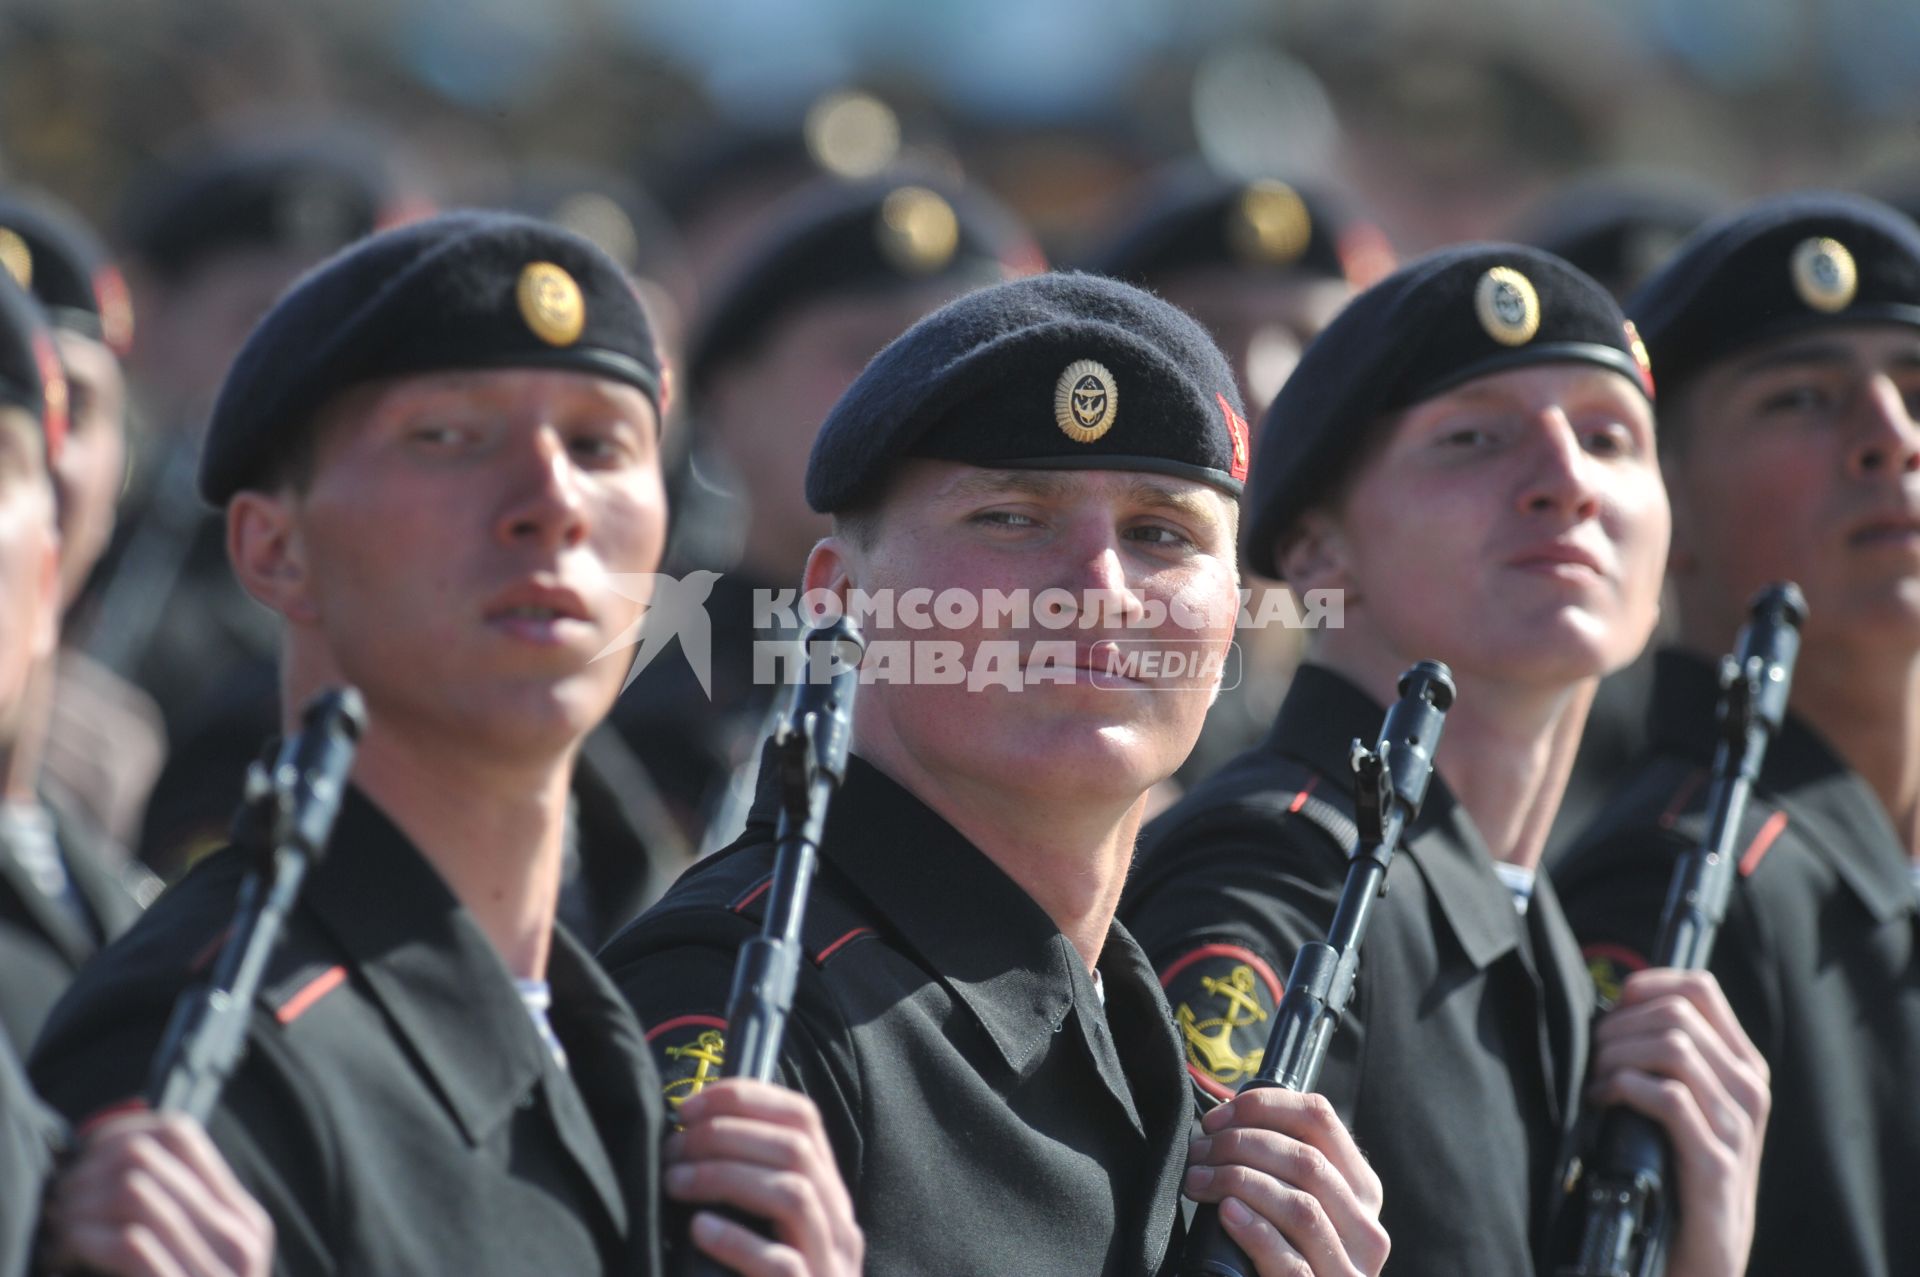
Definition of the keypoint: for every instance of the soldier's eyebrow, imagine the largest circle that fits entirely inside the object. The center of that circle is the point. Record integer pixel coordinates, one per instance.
(1191, 502)
(1816, 354)
(992, 484)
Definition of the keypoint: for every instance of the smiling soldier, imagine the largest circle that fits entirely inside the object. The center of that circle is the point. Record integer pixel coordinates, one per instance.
(990, 1051)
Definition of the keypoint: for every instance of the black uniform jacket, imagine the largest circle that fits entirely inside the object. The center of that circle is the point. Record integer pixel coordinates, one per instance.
(28, 1135)
(988, 1116)
(43, 941)
(397, 1111)
(1459, 1062)
(1817, 957)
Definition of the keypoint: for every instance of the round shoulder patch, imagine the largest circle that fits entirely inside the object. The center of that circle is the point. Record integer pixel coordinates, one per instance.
(1223, 997)
(1610, 965)
(551, 303)
(1824, 274)
(690, 1049)
(1085, 401)
(1508, 306)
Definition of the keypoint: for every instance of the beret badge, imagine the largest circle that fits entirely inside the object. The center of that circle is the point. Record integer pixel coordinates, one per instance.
(918, 231)
(1085, 401)
(1269, 224)
(1824, 274)
(1640, 359)
(1508, 306)
(16, 258)
(551, 303)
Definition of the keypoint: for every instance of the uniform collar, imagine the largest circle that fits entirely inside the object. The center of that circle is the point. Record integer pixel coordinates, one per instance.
(1323, 714)
(613, 1088)
(1837, 810)
(59, 925)
(424, 959)
(984, 937)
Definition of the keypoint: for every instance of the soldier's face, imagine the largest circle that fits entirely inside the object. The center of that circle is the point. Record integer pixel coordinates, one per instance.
(1262, 324)
(764, 411)
(1516, 524)
(1147, 558)
(93, 457)
(29, 579)
(191, 328)
(463, 539)
(1800, 460)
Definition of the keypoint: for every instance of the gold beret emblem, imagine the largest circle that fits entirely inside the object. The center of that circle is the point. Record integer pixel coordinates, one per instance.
(1085, 401)
(918, 231)
(1824, 274)
(1508, 307)
(551, 303)
(16, 257)
(1269, 224)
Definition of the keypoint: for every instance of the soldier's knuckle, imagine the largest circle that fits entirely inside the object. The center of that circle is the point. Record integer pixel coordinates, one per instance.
(792, 1192)
(1307, 1164)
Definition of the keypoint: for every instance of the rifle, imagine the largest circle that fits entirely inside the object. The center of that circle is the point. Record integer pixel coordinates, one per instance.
(1390, 783)
(1624, 1181)
(810, 755)
(283, 825)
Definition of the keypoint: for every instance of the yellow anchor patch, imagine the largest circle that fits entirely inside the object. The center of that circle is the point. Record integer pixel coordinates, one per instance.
(1223, 997)
(691, 1050)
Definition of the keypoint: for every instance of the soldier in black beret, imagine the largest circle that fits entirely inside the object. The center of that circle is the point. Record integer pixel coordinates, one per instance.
(61, 889)
(839, 270)
(213, 232)
(1264, 265)
(439, 461)
(1619, 228)
(51, 253)
(1466, 459)
(216, 228)
(990, 1051)
(48, 926)
(144, 1192)
(102, 741)
(1786, 338)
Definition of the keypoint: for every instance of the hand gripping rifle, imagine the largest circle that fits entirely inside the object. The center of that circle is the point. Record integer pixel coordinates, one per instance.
(810, 753)
(284, 824)
(1624, 1185)
(1390, 783)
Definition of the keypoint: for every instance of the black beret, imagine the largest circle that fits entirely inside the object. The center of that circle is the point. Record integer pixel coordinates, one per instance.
(835, 238)
(54, 255)
(1196, 218)
(30, 375)
(1439, 321)
(1619, 229)
(310, 193)
(1059, 371)
(463, 290)
(1775, 267)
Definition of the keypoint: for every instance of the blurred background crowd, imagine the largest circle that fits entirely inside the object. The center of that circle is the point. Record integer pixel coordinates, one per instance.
(792, 184)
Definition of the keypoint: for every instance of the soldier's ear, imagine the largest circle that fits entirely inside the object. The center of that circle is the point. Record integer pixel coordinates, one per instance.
(832, 565)
(268, 554)
(1313, 554)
